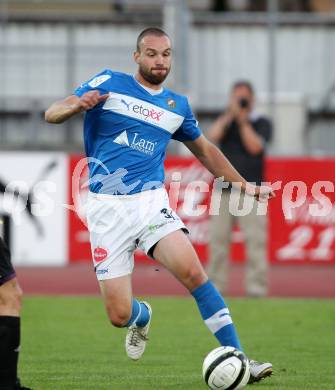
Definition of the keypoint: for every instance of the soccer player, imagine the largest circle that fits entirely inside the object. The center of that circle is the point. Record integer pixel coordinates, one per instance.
(129, 120)
(10, 307)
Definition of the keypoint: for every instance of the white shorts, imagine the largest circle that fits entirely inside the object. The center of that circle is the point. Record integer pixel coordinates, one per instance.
(120, 224)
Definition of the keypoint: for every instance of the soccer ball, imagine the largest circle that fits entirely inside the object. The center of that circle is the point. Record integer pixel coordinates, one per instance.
(226, 368)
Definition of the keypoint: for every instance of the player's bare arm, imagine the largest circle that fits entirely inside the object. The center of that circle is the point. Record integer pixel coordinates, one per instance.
(216, 162)
(62, 110)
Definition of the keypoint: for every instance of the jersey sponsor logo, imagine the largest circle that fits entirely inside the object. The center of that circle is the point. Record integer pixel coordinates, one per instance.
(143, 145)
(144, 111)
(152, 228)
(122, 139)
(137, 143)
(99, 254)
(99, 80)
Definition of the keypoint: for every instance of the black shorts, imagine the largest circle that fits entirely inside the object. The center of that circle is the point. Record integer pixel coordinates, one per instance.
(7, 271)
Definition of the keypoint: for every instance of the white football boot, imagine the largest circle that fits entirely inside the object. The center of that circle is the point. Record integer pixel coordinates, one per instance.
(137, 338)
(259, 371)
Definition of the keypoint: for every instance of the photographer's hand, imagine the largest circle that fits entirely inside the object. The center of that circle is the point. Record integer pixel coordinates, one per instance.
(242, 116)
(233, 108)
(251, 140)
(218, 129)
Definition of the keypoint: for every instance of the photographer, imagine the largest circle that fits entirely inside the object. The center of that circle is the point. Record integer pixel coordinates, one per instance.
(242, 135)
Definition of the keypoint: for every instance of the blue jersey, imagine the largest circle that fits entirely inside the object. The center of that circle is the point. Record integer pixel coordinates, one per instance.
(126, 136)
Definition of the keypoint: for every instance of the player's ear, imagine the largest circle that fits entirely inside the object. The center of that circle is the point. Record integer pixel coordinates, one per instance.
(136, 56)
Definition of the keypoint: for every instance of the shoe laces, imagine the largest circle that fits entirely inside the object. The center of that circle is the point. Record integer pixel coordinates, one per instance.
(136, 336)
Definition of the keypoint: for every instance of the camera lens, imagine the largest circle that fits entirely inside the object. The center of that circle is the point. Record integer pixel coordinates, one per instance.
(244, 103)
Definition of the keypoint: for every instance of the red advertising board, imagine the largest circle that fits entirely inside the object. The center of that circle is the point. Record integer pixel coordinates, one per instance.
(301, 217)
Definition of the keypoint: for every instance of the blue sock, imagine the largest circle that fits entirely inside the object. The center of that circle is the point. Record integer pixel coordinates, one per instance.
(139, 315)
(216, 314)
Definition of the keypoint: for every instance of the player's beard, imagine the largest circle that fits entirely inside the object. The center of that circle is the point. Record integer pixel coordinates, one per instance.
(150, 77)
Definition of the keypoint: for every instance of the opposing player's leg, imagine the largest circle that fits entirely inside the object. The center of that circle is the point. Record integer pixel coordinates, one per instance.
(125, 311)
(10, 305)
(10, 308)
(177, 254)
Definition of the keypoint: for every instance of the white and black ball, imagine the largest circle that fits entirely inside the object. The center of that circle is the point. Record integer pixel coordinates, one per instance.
(226, 368)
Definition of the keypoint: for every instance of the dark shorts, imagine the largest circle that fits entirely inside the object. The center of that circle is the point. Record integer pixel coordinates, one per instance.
(7, 271)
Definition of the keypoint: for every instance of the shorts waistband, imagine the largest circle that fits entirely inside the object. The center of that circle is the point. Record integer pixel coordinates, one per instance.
(138, 195)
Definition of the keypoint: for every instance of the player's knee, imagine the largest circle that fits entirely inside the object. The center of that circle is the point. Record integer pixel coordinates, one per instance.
(19, 295)
(11, 300)
(195, 278)
(16, 298)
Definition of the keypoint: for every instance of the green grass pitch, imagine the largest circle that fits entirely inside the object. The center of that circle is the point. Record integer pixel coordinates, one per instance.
(67, 343)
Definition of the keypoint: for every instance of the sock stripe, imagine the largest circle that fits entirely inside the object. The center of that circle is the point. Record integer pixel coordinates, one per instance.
(144, 315)
(219, 320)
(135, 311)
(219, 313)
(138, 315)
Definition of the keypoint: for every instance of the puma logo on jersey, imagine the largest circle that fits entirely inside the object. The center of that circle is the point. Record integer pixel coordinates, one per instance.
(125, 103)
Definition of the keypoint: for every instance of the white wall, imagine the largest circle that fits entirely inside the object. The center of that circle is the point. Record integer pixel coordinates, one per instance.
(289, 120)
(35, 62)
(42, 240)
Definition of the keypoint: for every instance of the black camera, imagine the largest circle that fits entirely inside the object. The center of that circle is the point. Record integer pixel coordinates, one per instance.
(244, 103)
